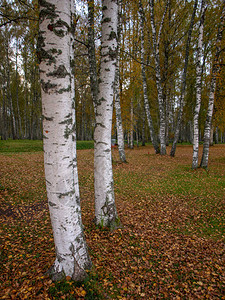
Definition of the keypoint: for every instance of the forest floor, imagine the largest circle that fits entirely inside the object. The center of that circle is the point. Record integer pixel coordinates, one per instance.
(171, 245)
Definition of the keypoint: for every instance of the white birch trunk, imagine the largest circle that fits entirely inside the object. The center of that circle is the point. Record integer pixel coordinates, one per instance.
(198, 89)
(215, 70)
(144, 84)
(183, 83)
(162, 128)
(119, 125)
(105, 209)
(56, 54)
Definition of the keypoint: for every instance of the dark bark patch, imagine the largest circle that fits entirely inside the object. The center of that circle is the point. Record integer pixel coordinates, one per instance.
(112, 35)
(61, 72)
(112, 53)
(47, 118)
(46, 86)
(60, 91)
(47, 12)
(106, 20)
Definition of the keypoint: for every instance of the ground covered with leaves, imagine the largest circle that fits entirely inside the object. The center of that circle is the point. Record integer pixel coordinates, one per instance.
(171, 245)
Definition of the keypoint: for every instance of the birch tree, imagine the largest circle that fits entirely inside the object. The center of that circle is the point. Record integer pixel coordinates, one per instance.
(144, 83)
(105, 208)
(91, 54)
(156, 41)
(183, 82)
(119, 125)
(214, 73)
(198, 88)
(57, 82)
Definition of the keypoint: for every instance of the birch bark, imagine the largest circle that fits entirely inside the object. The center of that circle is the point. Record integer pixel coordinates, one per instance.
(183, 83)
(57, 87)
(144, 83)
(198, 88)
(214, 73)
(119, 125)
(91, 54)
(105, 208)
(156, 41)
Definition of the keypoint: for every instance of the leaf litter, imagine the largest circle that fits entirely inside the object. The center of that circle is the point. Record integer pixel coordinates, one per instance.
(171, 245)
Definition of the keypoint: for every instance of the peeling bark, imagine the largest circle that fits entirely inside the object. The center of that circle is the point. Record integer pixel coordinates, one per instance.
(60, 161)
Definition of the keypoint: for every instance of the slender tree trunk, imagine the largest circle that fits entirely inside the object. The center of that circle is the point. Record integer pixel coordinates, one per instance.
(156, 41)
(183, 83)
(144, 83)
(105, 208)
(19, 127)
(91, 54)
(131, 145)
(58, 108)
(214, 73)
(119, 125)
(9, 94)
(198, 89)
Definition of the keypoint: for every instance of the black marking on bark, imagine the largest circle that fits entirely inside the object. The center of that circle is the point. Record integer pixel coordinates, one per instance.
(107, 70)
(48, 11)
(64, 227)
(68, 121)
(104, 7)
(99, 124)
(47, 118)
(112, 35)
(106, 20)
(61, 72)
(68, 131)
(70, 193)
(46, 86)
(112, 53)
(79, 273)
(42, 54)
(68, 89)
(51, 204)
(55, 275)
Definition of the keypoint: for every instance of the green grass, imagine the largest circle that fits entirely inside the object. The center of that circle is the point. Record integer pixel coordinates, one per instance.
(17, 146)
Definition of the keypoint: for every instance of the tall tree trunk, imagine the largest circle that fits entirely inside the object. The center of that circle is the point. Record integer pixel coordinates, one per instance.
(198, 88)
(105, 208)
(91, 54)
(144, 83)
(119, 125)
(9, 94)
(19, 126)
(183, 83)
(214, 73)
(57, 82)
(156, 41)
(131, 144)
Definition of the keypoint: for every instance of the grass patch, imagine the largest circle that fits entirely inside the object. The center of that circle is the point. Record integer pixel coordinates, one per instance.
(17, 146)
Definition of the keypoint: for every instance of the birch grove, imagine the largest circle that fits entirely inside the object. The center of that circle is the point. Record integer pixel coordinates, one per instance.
(60, 161)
